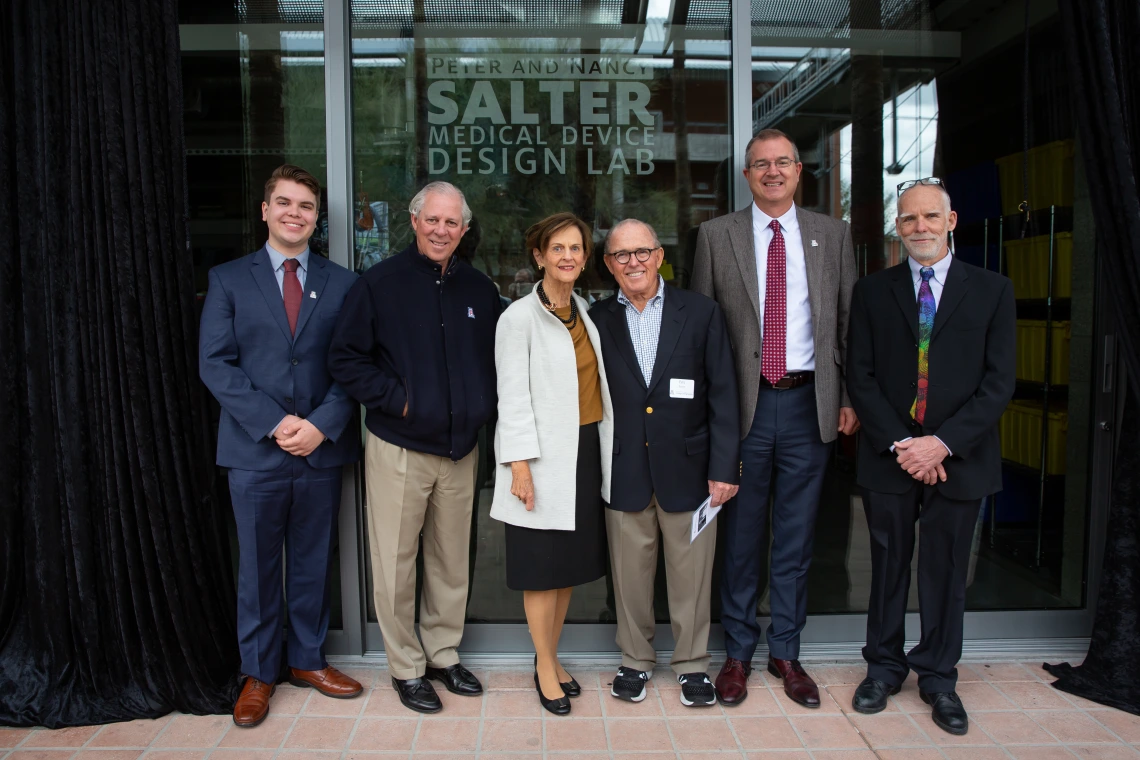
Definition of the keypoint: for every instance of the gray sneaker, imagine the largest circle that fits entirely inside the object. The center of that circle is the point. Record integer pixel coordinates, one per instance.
(696, 690)
(629, 684)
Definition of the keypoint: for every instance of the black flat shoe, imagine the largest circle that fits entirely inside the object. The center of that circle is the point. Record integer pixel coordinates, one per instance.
(871, 696)
(571, 687)
(457, 679)
(560, 706)
(948, 712)
(417, 694)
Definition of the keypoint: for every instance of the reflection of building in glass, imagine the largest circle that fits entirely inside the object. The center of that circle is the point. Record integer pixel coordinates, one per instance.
(874, 92)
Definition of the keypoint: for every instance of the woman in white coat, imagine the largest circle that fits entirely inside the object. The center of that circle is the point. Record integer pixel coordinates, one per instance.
(554, 446)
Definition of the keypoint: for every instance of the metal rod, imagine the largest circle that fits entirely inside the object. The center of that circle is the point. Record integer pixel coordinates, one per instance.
(1001, 243)
(1001, 251)
(986, 244)
(1048, 383)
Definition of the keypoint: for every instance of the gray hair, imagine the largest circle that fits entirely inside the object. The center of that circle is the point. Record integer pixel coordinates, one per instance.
(624, 223)
(417, 204)
(771, 134)
(940, 187)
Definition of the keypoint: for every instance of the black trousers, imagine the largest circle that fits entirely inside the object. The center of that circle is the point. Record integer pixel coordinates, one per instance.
(945, 535)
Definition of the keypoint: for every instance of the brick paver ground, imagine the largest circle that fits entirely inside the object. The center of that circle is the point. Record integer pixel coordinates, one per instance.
(1014, 713)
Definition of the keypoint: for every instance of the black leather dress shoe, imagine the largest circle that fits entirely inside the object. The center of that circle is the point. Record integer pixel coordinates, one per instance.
(948, 713)
(417, 694)
(871, 696)
(457, 679)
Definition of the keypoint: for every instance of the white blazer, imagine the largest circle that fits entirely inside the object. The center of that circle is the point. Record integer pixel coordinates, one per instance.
(538, 413)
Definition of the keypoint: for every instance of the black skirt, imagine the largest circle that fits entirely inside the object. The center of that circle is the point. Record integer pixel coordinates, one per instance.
(540, 560)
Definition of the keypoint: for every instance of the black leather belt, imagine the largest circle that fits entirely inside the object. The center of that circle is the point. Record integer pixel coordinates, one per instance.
(790, 380)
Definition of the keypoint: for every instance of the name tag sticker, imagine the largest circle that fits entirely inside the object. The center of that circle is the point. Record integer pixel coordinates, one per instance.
(681, 388)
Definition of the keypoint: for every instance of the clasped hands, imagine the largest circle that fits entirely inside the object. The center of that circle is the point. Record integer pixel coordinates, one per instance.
(297, 436)
(922, 458)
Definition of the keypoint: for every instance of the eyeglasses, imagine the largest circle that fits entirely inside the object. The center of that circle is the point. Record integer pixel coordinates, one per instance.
(642, 254)
(779, 163)
(904, 186)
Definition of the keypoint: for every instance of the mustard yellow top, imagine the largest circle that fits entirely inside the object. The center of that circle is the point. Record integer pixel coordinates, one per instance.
(589, 383)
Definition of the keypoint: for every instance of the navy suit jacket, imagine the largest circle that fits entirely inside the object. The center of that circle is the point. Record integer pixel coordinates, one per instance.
(675, 449)
(259, 372)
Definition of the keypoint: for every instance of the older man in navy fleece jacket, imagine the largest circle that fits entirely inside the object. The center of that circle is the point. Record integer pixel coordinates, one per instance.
(415, 344)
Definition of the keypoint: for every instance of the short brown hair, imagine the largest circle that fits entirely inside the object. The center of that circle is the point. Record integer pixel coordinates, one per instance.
(771, 134)
(538, 234)
(293, 174)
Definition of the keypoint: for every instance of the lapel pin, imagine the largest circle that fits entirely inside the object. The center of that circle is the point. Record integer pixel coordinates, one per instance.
(313, 293)
(814, 244)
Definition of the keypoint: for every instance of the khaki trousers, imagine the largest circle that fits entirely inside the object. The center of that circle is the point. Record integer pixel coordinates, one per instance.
(409, 493)
(633, 539)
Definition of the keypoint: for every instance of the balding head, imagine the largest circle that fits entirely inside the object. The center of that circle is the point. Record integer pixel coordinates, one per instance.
(924, 222)
(624, 224)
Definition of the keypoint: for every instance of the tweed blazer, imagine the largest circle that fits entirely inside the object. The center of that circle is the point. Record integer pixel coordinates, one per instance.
(724, 269)
(538, 413)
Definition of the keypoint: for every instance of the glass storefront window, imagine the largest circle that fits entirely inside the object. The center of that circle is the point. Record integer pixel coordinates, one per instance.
(877, 93)
(614, 109)
(551, 107)
(253, 79)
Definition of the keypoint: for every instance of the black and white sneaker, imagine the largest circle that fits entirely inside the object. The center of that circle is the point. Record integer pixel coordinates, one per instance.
(629, 684)
(696, 690)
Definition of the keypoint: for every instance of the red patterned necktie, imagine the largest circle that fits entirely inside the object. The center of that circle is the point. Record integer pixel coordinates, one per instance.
(774, 355)
(291, 291)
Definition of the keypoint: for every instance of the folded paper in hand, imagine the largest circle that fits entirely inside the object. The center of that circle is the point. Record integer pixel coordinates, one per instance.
(702, 516)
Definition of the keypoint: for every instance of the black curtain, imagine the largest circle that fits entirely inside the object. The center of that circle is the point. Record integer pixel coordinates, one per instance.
(1105, 58)
(116, 595)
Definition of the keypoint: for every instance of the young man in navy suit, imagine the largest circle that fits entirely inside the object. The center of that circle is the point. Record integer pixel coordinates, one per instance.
(286, 431)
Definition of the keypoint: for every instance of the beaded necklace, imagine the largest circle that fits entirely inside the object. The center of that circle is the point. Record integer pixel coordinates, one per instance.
(570, 323)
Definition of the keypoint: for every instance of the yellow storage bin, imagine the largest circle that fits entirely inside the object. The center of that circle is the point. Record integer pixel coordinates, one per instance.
(1027, 263)
(1050, 177)
(1020, 432)
(1031, 351)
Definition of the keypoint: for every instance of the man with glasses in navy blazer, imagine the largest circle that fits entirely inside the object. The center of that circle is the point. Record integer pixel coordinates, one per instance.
(285, 433)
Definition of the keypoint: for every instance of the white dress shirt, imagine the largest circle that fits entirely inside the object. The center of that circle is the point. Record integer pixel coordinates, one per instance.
(277, 259)
(937, 282)
(799, 342)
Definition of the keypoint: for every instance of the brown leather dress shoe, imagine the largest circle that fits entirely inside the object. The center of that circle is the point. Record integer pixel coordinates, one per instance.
(732, 682)
(797, 683)
(253, 703)
(328, 681)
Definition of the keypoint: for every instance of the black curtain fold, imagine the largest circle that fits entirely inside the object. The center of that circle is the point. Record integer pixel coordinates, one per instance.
(116, 594)
(1101, 47)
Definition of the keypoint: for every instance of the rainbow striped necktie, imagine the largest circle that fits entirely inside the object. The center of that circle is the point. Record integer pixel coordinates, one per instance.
(926, 309)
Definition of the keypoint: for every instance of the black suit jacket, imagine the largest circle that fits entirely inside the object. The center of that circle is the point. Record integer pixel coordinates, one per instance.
(971, 375)
(675, 449)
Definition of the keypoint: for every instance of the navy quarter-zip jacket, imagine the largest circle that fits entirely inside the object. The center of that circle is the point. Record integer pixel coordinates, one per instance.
(411, 333)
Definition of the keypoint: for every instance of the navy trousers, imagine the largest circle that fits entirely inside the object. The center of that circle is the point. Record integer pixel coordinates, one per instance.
(293, 507)
(945, 538)
(783, 452)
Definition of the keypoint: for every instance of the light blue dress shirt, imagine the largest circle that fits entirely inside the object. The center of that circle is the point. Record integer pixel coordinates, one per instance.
(277, 259)
(937, 282)
(645, 328)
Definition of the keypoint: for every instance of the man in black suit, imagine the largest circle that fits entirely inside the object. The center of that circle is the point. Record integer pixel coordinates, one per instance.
(676, 443)
(931, 358)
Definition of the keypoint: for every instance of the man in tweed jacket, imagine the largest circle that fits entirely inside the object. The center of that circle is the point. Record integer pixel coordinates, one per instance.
(783, 277)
